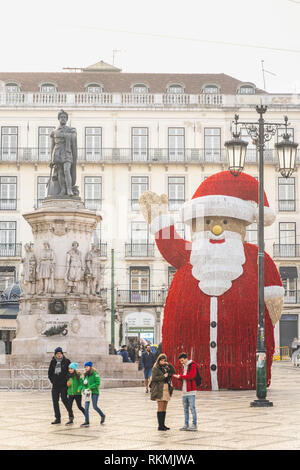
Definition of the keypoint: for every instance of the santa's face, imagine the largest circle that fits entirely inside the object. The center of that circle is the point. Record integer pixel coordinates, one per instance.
(217, 254)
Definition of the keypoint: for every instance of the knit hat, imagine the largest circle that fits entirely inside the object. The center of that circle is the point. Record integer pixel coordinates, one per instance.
(223, 194)
(59, 349)
(89, 363)
(73, 365)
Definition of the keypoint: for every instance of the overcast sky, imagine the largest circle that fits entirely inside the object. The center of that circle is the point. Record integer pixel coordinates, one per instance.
(157, 36)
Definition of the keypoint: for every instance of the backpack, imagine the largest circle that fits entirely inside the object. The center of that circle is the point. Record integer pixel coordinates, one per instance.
(198, 376)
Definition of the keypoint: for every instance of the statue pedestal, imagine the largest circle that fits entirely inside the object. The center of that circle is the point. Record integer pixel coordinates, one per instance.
(75, 321)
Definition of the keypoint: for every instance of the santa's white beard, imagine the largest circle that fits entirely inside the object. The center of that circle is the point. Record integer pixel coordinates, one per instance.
(217, 265)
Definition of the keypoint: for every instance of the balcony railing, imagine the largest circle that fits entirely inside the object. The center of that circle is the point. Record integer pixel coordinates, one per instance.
(103, 249)
(130, 155)
(154, 100)
(292, 297)
(8, 250)
(8, 204)
(156, 297)
(287, 205)
(136, 250)
(286, 251)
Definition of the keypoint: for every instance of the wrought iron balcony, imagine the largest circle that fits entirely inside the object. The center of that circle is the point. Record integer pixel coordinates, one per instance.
(139, 250)
(287, 205)
(10, 250)
(129, 297)
(8, 204)
(286, 251)
(292, 297)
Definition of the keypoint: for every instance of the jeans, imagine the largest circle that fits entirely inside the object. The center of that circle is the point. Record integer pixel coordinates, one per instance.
(62, 392)
(95, 397)
(189, 402)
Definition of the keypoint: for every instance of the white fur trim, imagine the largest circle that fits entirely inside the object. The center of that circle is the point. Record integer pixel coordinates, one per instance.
(219, 205)
(269, 216)
(160, 222)
(273, 292)
(214, 337)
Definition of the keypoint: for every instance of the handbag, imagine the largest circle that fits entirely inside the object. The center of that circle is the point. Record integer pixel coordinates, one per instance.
(87, 396)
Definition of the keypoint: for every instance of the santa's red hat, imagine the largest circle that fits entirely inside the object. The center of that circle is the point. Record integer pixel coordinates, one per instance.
(223, 194)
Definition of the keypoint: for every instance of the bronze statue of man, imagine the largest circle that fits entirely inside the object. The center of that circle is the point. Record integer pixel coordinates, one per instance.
(63, 159)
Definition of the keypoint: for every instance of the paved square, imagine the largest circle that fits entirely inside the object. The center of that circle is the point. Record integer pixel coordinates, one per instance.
(225, 420)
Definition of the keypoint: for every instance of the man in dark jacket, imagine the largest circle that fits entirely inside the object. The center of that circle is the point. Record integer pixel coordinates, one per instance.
(148, 360)
(57, 373)
(123, 352)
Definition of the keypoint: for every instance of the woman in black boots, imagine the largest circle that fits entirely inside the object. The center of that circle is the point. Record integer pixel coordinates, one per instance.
(161, 388)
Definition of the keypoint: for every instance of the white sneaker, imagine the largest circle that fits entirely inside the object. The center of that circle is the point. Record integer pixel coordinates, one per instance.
(192, 428)
(184, 428)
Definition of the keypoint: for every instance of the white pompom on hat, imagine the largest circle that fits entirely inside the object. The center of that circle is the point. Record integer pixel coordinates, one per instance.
(223, 194)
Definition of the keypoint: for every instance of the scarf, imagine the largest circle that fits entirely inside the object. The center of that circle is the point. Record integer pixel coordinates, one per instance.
(58, 366)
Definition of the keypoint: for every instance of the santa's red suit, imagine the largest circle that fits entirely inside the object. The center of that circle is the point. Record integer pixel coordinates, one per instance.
(218, 332)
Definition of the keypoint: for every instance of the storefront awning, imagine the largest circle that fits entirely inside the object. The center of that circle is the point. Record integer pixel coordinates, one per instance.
(288, 272)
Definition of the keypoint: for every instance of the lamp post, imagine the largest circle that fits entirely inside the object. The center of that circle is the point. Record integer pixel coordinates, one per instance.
(261, 132)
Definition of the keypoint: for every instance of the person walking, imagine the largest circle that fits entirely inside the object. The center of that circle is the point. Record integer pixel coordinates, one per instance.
(57, 374)
(189, 390)
(147, 362)
(73, 385)
(124, 353)
(161, 388)
(89, 385)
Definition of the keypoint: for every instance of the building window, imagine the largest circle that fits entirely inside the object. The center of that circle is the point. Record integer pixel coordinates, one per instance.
(12, 88)
(42, 182)
(252, 234)
(175, 89)
(246, 90)
(139, 184)
(171, 272)
(93, 144)
(176, 143)
(93, 192)
(139, 88)
(212, 143)
(44, 143)
(139, 284)
(176, 192)
(286, 194)
(139, 143)
(287, 239)
(7, 277)
(48, 88)
(251, 153)
(139, 240)
(8, 193)
(94, 88)
(211, 89)
(8, 238)
(9, 143)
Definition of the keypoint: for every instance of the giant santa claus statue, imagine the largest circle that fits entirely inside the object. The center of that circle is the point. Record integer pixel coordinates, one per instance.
(211, 310)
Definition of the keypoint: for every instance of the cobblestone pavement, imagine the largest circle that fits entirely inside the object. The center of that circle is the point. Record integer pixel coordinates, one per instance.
(225, 420)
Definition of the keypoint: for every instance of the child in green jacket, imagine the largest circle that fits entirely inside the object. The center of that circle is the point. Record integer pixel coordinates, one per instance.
(91, 382)
(74, 392)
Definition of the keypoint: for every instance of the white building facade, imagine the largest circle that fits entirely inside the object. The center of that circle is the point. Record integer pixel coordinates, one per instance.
(138, 132)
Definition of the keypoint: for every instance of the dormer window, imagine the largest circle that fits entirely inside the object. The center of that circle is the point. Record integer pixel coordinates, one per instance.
(139, 88)
(211, 89)
(12, 88)
(246, 90)
(175, 89)
(94, 88)
(48, 88)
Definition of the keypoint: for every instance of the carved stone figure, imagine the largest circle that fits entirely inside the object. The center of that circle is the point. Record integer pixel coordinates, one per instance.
(29, 269)
(63, 159)
(46, 270)
(93, 270)
(74, 271)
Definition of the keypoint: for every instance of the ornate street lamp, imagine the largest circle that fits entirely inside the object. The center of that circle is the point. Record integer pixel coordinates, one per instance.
(287, 152)
(261, 132)
(236, 151)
